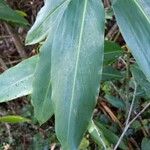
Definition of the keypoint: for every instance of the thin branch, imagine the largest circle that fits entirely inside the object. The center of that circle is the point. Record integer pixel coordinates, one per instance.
(4, 66)
(128, 125)
(112, 31)
(131, 107)
(17, 42)
(107, 3)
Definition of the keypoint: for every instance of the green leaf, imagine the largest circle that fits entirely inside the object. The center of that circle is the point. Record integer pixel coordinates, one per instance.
(46, 21)
(7, 14)
(145, 144)
(110, 73)
(140, 79)
(48, 17)
(84, 144)
(77, 56)
(110, 136)
(145, 4)
(134, 24)
(116, 102)
(13, 119)
(98, 136)
(17, 81)
(39, 142)
(112, 51)
(42, 88)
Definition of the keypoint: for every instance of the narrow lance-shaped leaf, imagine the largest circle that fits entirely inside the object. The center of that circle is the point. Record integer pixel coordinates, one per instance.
(140, 79)
(77, 60)
(41, 96)
(13, 119)
(47, 18)
(110, 136)
(134, 24)
(98, 136)
(7, 14)
(17, 81)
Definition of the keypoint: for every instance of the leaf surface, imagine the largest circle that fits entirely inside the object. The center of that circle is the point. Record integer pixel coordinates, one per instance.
(77, 60)
(8, 14)
(145, 144)
(13, 119)
(98, 136)
(145, 4)
(17, 81)
(111, 73)
(110, 136)
(47, 18)
(134, 24)
(140, 79)
(112, 51)
(42, 88)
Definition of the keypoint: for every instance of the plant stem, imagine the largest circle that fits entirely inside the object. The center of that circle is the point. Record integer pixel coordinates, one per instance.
(128, 125)
(131, 107)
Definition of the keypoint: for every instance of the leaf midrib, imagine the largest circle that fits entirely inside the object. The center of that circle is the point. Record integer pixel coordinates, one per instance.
(76, 66)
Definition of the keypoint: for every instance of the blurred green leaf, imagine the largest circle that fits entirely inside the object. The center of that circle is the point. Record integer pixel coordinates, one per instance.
(145, 144)
(110, 73)
(8, 14)
(111, 52)
(109, 13)
(40, 143)
(116, 102)
(110, 136)
(98, 136)
(13, 119)
(141, 79)
(84, 144)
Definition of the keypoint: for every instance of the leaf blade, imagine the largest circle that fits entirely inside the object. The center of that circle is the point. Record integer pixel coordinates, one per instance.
(69, 77)
(134, 24)
(13, 119)
(41, 95)
(7, 14)
(47, 18)
(20, 83)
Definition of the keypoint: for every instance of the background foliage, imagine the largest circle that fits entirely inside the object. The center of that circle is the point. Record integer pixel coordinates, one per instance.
(124, 85)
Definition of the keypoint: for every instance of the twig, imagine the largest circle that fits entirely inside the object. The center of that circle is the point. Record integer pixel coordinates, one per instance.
(131, 107)
(53, 146)
(117, 90)
(144, 129)
(107, 3)
(110, 113)
(17, 42)
(3, 64)
(128, 125)
(127, 81)
(112, 31)
(116, 37)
